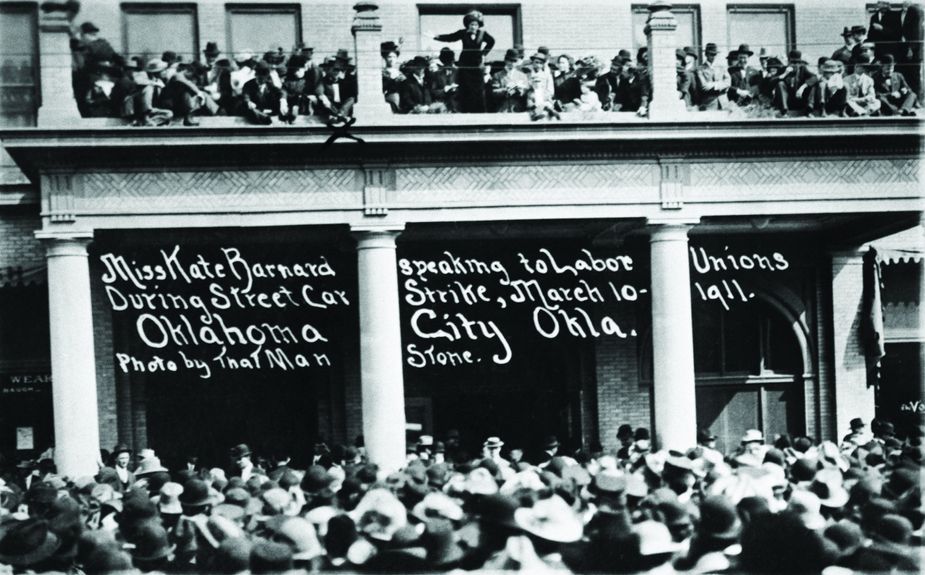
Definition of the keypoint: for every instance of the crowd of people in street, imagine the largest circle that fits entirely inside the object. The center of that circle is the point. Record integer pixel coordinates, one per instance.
(787, 505)
(878, 71)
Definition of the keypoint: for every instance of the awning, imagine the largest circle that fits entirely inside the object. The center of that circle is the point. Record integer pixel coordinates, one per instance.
(907, 247)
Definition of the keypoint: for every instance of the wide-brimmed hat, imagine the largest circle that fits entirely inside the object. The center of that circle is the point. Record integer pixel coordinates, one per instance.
(710, 49)
(169, 499)
(511, 55)
(379, 514)
(608, 483)
(89, 28)
(539, 56)
(494, 442)
(240, 58)
(830, 493)
(211, 50)
(196, 493)
(550, 519)
(655, 539)
(301, 536)
(389, 46)
(718, 519)
(317, 482)
(752, 435)
(155, 65)
(27, 543)
(439, 540)
(846, 32)
(447, 56)
(151, 543)
(473, 16)
(121, 448)
(795, 57)
(807, 506)
(149, 466)
(744, 49)
(858, 29)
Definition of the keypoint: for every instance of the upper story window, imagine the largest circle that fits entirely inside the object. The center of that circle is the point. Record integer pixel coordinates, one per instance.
(687, 34)
(502, 21)
(263, 27)
(768, 26)
(18, 64)
(149, 30)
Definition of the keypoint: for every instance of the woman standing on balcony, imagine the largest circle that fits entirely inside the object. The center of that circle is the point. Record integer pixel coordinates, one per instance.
(476, 44)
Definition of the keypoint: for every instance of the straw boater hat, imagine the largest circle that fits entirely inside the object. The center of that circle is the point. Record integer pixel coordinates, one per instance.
(550, 519)
(493, 442)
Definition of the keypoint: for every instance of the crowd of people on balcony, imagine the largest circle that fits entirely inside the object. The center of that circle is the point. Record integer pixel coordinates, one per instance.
(876, 72)
(793, 506)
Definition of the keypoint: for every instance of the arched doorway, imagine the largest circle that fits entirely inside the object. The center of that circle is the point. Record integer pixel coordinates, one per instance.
(752, 363)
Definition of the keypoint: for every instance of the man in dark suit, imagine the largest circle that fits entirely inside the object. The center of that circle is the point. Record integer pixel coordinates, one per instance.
(620, 90)
(743, 78)
(414, 94)
(892, 89)
(884, 30)
(262, 100)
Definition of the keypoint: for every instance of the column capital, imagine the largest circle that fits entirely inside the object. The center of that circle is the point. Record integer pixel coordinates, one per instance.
(380, 235)
(65, 243)
(666, 228)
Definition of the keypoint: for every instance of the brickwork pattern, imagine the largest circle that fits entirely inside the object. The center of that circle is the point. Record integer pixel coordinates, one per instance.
(105, 372)
(620, 397)
(18, 246)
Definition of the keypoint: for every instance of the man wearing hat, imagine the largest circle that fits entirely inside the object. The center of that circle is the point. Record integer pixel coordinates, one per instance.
(509, 85)
(442, 79)
(743, 78)
(895, 95)
(885, 30)
(88, 52)
(148, 102)
(713, 80)
(262, 101)
(828, 99)
(414, 93)
(333, 92)
(243, 467)
(843, 54)
(121, 456)
(620, 88)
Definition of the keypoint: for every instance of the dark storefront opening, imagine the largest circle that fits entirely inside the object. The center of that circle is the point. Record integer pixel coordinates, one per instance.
(259, 402)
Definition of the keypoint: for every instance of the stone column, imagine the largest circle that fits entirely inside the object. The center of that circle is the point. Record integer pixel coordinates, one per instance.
(852, 397)
(660, 33)
(367, 36)
(381, 381)
(73, 365)
(674, 398)
(57, 99)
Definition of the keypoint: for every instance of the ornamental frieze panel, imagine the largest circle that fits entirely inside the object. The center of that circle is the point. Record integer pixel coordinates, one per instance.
(801, 172)
(209, 190)
(540, 183)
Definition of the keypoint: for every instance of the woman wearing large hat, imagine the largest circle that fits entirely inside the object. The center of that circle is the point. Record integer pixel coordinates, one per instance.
(476, 44)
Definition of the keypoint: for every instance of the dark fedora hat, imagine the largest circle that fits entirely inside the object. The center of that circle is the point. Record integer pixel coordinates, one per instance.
(744, 49)
(89, 28)
(196, 494)
(710, 48)
(447, 56)
(211, 49)
(121, 448)
(718, 519)
(857, 423)
(858, 29)
(27, 543)
(795, 56)
(389, 46)
(239, 451)
(511, 55)
(846, 32)
(317, 481)
(151, 543)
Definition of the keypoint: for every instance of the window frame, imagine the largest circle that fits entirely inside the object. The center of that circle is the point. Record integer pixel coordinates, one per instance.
(31, 9)
(675, 9)
(268, 8)
(513, 10)
(788, 9)
(131, 8)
